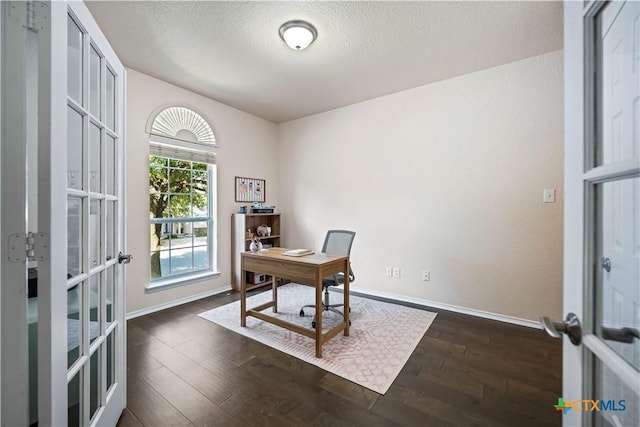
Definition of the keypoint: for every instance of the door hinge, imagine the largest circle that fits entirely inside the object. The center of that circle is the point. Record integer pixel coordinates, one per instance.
(33, 15)
(28, 247)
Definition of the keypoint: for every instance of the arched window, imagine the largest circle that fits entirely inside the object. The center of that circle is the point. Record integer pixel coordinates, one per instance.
(182, 187)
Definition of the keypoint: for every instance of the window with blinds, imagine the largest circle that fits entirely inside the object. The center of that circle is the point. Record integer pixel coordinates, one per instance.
(182, 166)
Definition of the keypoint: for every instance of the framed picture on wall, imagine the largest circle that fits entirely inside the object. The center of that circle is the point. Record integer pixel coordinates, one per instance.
(250, 189)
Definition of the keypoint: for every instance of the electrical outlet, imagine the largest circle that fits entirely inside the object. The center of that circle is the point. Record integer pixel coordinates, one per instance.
(549, 195)
(396, 272)
(426, 276)
(388, 271)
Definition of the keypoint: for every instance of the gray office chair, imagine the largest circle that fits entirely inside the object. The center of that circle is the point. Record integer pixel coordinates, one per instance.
(336, 242)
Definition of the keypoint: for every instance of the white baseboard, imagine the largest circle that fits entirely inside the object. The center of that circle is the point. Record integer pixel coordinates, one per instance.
(394, 297)
(176, 302)
(449, 307)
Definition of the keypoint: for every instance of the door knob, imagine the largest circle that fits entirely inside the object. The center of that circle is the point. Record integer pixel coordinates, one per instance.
(124, 259)
(606, 264)
(570, 326)
(626, 335)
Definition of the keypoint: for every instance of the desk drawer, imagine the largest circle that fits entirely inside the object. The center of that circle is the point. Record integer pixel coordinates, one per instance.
(293, 271)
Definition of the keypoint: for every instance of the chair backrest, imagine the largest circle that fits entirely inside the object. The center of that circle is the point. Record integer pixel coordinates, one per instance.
(338, 242)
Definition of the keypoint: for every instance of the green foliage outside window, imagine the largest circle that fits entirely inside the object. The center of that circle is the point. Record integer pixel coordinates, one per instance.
(177, 189)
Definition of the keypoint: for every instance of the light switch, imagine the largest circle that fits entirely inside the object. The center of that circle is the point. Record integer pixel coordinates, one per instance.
(549, 195)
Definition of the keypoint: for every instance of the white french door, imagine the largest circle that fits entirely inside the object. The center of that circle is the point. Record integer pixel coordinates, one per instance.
(95, 151)
(67, 86)
(602, 214)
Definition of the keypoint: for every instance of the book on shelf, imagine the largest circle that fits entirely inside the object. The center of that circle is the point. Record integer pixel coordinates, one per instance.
(297, 252)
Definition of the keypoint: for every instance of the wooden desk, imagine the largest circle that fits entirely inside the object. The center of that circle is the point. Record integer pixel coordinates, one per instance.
(309, 269)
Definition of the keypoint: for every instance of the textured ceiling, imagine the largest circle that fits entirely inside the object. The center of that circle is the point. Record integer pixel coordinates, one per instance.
(232, 52)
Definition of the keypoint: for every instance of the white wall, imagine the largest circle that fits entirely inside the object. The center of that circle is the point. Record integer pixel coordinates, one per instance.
(446, 177)
(247, 148)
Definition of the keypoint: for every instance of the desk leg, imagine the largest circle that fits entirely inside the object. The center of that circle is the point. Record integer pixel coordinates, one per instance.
(243, 298)
(319, 318)
(346, 309)
(274, 288)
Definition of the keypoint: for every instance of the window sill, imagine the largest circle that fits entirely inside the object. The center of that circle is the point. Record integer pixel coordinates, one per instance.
(161, 285)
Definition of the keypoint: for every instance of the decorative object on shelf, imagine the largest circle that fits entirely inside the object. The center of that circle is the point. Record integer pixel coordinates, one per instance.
(244, 228)
(256, 278)
(268, 231)
(262, 230)
(257, 207)
(250, 189)
(256, 245)
(243, 209)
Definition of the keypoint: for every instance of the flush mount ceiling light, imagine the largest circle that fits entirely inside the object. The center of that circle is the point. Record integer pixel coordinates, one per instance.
(298, 34)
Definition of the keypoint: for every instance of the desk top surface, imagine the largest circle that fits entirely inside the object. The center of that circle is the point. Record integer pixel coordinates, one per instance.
(275, 253)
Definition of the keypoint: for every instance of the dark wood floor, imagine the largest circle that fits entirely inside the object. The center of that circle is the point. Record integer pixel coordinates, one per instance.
(184, 370)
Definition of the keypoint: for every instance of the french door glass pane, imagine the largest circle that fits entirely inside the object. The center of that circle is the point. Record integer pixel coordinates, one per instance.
(110, 221)
(95, 153)
(94, 83)
(95, 233)
(110, 172)
(94, 307)
(74, 323)
(74, 389)
(110, 278)
(94, 383)
(74, 60)
(619, 403)
(74, 151)
(111, 100)
(74, 236)
(619, 272)
(110, 360)
(620, 83)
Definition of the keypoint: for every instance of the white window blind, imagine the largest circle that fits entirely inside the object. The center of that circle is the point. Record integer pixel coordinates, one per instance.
(182, 150)
(181, 133)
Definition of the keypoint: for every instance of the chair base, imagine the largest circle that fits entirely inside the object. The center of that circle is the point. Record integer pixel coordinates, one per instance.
(325, 307)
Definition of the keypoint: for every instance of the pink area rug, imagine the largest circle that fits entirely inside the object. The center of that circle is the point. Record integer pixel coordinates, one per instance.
(382, 335)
